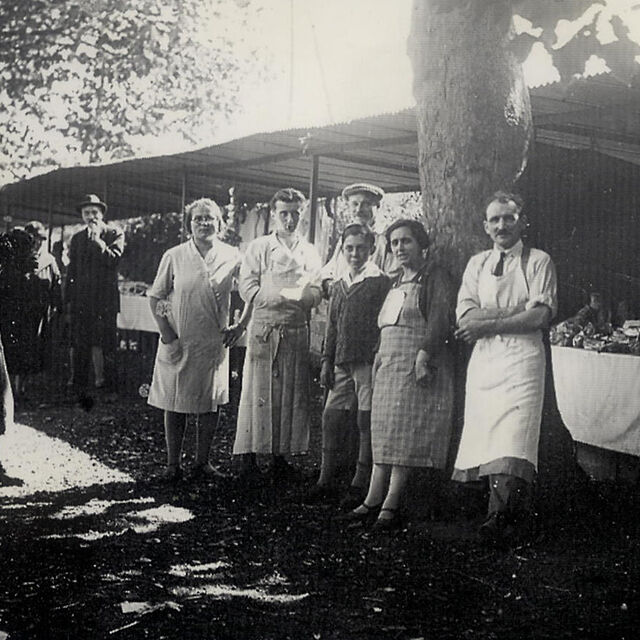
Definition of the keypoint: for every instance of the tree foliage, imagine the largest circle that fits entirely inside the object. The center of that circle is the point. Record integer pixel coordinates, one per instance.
(84, 77)
(603, 32)
(147, 238)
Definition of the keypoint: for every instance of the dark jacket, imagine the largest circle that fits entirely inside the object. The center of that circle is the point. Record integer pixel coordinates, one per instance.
(92, 277)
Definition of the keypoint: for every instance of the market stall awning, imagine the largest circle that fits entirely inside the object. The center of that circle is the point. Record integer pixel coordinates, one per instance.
(598, 113)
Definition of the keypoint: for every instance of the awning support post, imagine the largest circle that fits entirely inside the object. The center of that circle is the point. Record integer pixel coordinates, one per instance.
(313, 197)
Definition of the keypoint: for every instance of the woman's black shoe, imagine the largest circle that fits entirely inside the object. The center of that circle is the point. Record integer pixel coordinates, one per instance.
(369, 515)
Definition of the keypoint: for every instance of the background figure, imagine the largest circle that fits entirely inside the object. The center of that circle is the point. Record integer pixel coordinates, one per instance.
(363, 201)
(6, 416)
(190, 299)
(278, 278)
(412, 405)
(49, 292)
(20, 308)
(92, 294)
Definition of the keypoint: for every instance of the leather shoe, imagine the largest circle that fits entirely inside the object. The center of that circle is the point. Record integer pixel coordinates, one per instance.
(207, 472)
(370, 514)
(382, 525)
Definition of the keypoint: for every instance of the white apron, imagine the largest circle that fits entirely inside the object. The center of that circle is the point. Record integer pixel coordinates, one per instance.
(505, 383)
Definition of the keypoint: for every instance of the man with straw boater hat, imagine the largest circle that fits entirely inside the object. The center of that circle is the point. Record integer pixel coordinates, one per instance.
(91, 294)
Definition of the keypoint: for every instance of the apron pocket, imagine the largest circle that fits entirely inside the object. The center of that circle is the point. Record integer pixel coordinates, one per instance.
(391, 308)
(170, 353)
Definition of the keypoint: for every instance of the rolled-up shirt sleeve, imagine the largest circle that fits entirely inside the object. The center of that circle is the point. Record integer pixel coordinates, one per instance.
(468, 298)
(249, 276)
(314, 266)
(163, 283)
(543, 288)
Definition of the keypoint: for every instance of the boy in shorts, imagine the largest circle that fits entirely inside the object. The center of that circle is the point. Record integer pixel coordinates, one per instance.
(347, 358)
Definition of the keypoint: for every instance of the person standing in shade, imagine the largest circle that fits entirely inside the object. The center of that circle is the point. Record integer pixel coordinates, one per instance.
(347, 357)
(363, 201)
(278, 277)
(189, 300)
(6, 417)
(91, 292)
(507, 297)
(413, 375)
(49, 293)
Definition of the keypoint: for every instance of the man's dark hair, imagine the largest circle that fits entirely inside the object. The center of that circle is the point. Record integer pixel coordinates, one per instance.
(289, 194)
(357, 229)
(418, 232)
(504, 197)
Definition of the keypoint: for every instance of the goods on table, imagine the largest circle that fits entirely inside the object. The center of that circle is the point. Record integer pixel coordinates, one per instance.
(604, 339)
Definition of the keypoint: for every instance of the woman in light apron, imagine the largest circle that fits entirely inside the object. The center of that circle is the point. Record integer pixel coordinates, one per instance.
(412, 406)
(190, 301)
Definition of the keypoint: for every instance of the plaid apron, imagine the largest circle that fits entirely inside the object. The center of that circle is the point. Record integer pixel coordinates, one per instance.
(410, 424)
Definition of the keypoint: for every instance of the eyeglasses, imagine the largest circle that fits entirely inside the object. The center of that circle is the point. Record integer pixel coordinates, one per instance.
(203, 219)
(507, 218)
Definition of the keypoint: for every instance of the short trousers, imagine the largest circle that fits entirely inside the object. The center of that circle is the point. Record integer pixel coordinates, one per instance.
(351, 389)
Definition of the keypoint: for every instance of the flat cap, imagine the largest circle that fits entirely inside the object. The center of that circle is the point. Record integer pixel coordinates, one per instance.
(363, 187)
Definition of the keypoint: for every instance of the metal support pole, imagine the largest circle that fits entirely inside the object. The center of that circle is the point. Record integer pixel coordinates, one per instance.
(313, 198)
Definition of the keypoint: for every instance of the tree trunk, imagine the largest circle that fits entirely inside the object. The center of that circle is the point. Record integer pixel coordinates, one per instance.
(474, 117)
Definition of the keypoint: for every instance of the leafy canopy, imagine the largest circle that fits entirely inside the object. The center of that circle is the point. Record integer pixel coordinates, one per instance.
(573, 31)
(83, 78)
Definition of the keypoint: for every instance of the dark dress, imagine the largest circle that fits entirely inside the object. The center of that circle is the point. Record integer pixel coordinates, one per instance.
(19, 302)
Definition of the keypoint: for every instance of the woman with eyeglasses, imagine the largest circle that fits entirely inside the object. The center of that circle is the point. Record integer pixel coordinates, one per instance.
(189, 300)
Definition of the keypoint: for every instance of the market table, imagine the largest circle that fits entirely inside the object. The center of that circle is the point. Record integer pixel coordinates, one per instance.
(135, 314)
(598, 395)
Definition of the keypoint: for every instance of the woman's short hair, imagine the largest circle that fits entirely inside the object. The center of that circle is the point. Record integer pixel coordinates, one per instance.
(416, 228)
(208, 205)
(357, 229)
(289, 194)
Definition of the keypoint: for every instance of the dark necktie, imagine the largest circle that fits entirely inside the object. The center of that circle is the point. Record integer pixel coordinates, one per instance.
(499, 268)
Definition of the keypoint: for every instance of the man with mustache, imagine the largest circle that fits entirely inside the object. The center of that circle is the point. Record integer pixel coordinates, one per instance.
(92, 292)
(507, 297)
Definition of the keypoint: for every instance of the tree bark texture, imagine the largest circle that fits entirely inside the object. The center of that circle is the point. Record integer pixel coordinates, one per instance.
(474, 117)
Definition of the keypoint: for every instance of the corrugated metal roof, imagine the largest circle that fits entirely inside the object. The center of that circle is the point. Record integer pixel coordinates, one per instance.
(598, 113)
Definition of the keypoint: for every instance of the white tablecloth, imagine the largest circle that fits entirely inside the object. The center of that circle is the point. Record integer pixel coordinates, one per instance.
(135, 314)
(598, 397)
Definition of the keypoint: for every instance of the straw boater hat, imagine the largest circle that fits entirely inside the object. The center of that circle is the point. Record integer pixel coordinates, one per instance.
(362, 187)
(91, 199)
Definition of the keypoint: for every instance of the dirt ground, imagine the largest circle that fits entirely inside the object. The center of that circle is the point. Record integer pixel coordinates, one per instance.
(141, 559)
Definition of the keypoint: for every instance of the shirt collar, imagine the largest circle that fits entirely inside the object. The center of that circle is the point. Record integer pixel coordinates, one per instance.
(276, 243)
(370, 270)
(515, 251)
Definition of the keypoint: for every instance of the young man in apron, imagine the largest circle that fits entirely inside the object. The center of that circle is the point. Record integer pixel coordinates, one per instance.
(507, 297)
(279, 279)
